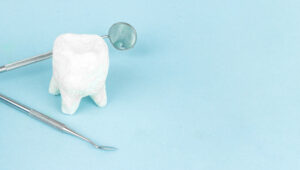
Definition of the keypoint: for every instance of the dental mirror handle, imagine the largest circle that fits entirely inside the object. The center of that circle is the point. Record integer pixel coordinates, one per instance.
(51, 122)
(28, 61)
(25, 62)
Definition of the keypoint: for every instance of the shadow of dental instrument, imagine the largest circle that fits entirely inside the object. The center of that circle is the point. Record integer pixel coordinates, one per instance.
(122, 36)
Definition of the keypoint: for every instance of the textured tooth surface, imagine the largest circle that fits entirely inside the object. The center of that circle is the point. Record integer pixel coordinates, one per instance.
(80, 66)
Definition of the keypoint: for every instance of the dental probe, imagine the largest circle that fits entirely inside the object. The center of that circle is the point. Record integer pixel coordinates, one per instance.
(54, 123)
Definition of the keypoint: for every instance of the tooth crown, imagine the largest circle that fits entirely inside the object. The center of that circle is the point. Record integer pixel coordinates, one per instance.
(80, 66)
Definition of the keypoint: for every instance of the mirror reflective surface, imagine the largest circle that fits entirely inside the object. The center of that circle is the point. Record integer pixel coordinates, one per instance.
(122, 36)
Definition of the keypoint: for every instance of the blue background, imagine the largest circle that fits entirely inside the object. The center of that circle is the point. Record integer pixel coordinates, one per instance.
(210, 85)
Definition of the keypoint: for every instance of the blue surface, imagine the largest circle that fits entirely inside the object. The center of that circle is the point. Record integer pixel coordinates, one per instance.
(210, 85)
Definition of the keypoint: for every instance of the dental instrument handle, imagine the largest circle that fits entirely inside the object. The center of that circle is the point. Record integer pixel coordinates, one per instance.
(34, 113)
(30, 60)
(48, 120)
(25, 62)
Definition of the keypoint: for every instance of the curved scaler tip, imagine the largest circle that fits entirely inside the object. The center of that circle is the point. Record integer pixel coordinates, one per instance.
(107, 148)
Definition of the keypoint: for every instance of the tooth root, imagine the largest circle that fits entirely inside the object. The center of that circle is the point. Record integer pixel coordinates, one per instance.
(53, 88)
(70, 103)
(100, 98)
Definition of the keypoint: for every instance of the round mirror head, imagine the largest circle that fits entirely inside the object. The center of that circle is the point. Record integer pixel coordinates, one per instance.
(122, 36)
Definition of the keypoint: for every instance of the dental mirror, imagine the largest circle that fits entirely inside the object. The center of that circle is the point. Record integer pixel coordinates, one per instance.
(121, 35)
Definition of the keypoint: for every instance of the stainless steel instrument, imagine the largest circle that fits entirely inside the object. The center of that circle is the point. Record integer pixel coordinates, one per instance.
(54, 123)
(25, 62)
(121, 35)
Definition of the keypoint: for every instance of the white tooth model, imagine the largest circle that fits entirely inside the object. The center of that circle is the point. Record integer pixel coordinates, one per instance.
(80, 67)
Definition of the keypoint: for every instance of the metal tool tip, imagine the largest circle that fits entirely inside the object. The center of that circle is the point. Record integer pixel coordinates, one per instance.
(2, 69)
(107, 148)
